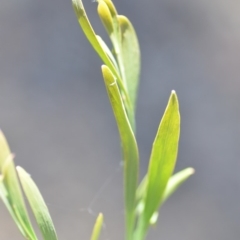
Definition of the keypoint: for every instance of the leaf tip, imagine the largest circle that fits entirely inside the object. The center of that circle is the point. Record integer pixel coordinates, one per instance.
(104, 68)
(19, 169)
(174, 94)
(100, 216)
(191, 171)
(107, 75)
(174, 99)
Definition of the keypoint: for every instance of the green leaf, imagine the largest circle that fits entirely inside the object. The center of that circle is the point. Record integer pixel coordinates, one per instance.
(176, 181)
(130, 54)
(38, 205)
(92, 38)
(126, 47)
(4, 150)
(141, 190)
(140, 196)
(10, 192)
(173, 184)
(129, 148)
(97, 227)
(3, 196)
(163, 157)
(14, 199)
(88, 30)
(107, 51)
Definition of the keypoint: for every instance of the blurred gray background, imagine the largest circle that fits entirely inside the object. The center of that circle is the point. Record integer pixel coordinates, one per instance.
(57, 118)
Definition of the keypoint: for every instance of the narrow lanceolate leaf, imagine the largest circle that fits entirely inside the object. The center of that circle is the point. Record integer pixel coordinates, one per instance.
(6, 160)
(4, 150)
(38, 205)
(107, 51)
(92, 38)
(130, 54)
(129, 148)
(176, 181)
(15, 199)
(173, 184)
(87, 29)
(163, 157)
(3, 196)
(97, 227)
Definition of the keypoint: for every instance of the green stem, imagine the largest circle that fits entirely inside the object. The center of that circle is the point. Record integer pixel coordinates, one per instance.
(141, 230)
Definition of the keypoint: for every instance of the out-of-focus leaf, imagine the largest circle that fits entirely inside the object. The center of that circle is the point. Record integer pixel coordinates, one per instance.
(140, 196)
(141, 190)
(131, 59)
(38, 205)
(4, 150)
(129, 148)
(5, 155)
(15, 199)
(163, 157)
(176, 181)
(97, 227)
(154, 218)
(3, 196)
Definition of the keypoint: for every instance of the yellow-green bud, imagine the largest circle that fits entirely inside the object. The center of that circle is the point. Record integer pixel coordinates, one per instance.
(105, 15)
(111, 7)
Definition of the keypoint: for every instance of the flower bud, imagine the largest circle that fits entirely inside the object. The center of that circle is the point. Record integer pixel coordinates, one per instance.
(111, 7)
(105, 15)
